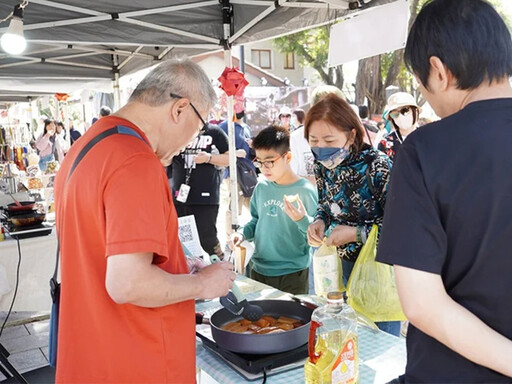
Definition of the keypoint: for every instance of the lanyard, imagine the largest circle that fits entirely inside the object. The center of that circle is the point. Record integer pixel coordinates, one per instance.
(188, 163)
(399, 136)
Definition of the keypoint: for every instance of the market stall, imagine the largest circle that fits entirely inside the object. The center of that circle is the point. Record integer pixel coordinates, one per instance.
(382, 356)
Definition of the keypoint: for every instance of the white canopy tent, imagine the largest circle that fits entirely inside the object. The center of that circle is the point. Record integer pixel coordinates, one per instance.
(84, 41)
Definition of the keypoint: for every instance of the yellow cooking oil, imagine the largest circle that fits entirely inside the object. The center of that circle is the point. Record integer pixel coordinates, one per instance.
(333, 350)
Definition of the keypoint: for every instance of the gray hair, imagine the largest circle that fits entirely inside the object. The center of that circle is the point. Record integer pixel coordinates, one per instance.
(179, 76)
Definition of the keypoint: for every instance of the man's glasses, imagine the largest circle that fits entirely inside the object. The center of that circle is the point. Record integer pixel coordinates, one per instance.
(267, 163)
(205, 124)
(402, 111)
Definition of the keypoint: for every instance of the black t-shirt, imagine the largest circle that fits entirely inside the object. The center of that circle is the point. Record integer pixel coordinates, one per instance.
(205, 179)
(448, 212)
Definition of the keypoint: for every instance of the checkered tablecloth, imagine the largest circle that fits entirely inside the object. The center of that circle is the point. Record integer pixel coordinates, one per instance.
(382, 356)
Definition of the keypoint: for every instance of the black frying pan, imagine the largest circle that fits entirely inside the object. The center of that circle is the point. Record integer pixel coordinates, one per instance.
(28, 220)
(25, 206)
(267, 343)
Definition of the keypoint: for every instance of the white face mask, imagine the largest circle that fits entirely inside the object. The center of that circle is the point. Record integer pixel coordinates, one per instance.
(404, 122)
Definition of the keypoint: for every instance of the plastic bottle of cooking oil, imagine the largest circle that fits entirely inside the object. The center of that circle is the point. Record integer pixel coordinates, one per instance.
(333, 351)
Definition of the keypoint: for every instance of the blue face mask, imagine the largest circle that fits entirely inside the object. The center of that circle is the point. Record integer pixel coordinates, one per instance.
(330, 157)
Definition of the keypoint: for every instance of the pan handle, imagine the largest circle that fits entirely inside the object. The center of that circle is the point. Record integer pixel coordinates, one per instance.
(201, 319)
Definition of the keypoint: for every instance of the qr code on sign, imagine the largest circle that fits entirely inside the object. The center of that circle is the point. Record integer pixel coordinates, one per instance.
(185, 233)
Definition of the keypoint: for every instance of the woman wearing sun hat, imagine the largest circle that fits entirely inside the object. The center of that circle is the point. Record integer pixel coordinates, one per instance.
(404, 116)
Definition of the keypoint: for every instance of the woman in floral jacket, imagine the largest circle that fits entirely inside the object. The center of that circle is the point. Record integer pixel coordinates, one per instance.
(352, 181)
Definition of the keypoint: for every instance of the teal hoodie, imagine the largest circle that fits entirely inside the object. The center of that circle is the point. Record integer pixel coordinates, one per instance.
(280, 244)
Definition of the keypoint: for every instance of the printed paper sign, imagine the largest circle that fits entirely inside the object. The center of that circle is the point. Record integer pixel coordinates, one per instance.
(189, 237)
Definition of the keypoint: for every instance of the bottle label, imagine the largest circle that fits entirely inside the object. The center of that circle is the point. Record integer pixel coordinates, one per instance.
(344, 369)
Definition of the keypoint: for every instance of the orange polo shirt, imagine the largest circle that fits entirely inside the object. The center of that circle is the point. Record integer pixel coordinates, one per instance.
(116, 202)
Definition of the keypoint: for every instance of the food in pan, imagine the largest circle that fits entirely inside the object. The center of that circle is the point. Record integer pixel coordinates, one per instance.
(265, 325)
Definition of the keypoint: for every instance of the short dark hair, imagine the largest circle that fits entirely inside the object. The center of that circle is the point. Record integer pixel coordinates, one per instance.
(468, 36)
(301, 115)
(274, 138)
(240, 115)
(363, 112)
(105, 111)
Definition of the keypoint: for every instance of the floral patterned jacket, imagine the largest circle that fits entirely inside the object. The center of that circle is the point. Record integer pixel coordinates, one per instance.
(344, 196)
(390, 144)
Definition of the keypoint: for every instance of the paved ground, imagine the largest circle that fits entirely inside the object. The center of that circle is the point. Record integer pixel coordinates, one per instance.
(26, 339)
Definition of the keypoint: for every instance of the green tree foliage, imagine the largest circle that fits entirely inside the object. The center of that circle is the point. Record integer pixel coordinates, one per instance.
(374, 75)
(377, 73)
(312, 49)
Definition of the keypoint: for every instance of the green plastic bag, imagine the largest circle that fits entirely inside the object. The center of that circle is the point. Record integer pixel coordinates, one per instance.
(371, 288)
(327, 272)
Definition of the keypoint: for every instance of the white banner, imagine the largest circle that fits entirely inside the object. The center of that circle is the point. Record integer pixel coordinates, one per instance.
(369, 33)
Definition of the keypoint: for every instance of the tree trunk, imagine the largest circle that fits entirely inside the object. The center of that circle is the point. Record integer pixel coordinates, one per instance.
(394, 69)
(369, 84)
(339, 77)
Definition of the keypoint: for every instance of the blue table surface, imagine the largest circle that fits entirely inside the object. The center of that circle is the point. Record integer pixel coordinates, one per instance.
(382, 356)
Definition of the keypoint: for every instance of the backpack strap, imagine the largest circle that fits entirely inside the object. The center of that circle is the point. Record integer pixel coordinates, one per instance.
(119, 129)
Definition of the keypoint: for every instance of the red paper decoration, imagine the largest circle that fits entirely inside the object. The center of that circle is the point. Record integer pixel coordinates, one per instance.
(61, 96)
(232, 81)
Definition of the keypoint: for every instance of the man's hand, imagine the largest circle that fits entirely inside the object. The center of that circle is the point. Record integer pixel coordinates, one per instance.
(316, 233)
(202, 157)
(341, 235)
(216, 280)
(294, 213)
(241, 153)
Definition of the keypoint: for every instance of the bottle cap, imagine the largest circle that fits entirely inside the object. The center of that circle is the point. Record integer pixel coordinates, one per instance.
(335, 296)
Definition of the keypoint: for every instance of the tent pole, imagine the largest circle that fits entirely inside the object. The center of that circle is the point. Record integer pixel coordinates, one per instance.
(117, 92)
(233, 186)
(228, 61)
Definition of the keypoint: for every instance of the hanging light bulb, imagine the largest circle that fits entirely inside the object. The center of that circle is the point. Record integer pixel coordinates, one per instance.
(13, 41)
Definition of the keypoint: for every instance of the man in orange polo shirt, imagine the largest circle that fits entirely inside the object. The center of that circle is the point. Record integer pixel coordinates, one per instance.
(127, 299)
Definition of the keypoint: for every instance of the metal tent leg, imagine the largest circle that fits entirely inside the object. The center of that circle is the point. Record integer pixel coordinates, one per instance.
(7, 368)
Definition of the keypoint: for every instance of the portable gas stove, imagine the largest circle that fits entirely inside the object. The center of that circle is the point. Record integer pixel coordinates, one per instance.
(22, 232)
(254, 367)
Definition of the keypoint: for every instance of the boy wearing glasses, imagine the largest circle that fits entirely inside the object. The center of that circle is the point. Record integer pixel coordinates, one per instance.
(282, 207)
(404, 115)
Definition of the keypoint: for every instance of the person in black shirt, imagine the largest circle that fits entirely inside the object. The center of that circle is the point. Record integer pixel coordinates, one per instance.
(199, 166)
(74, 135)
(447, 224)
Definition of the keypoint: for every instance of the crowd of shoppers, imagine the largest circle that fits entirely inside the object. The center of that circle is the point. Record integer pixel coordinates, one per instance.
(438, 194)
